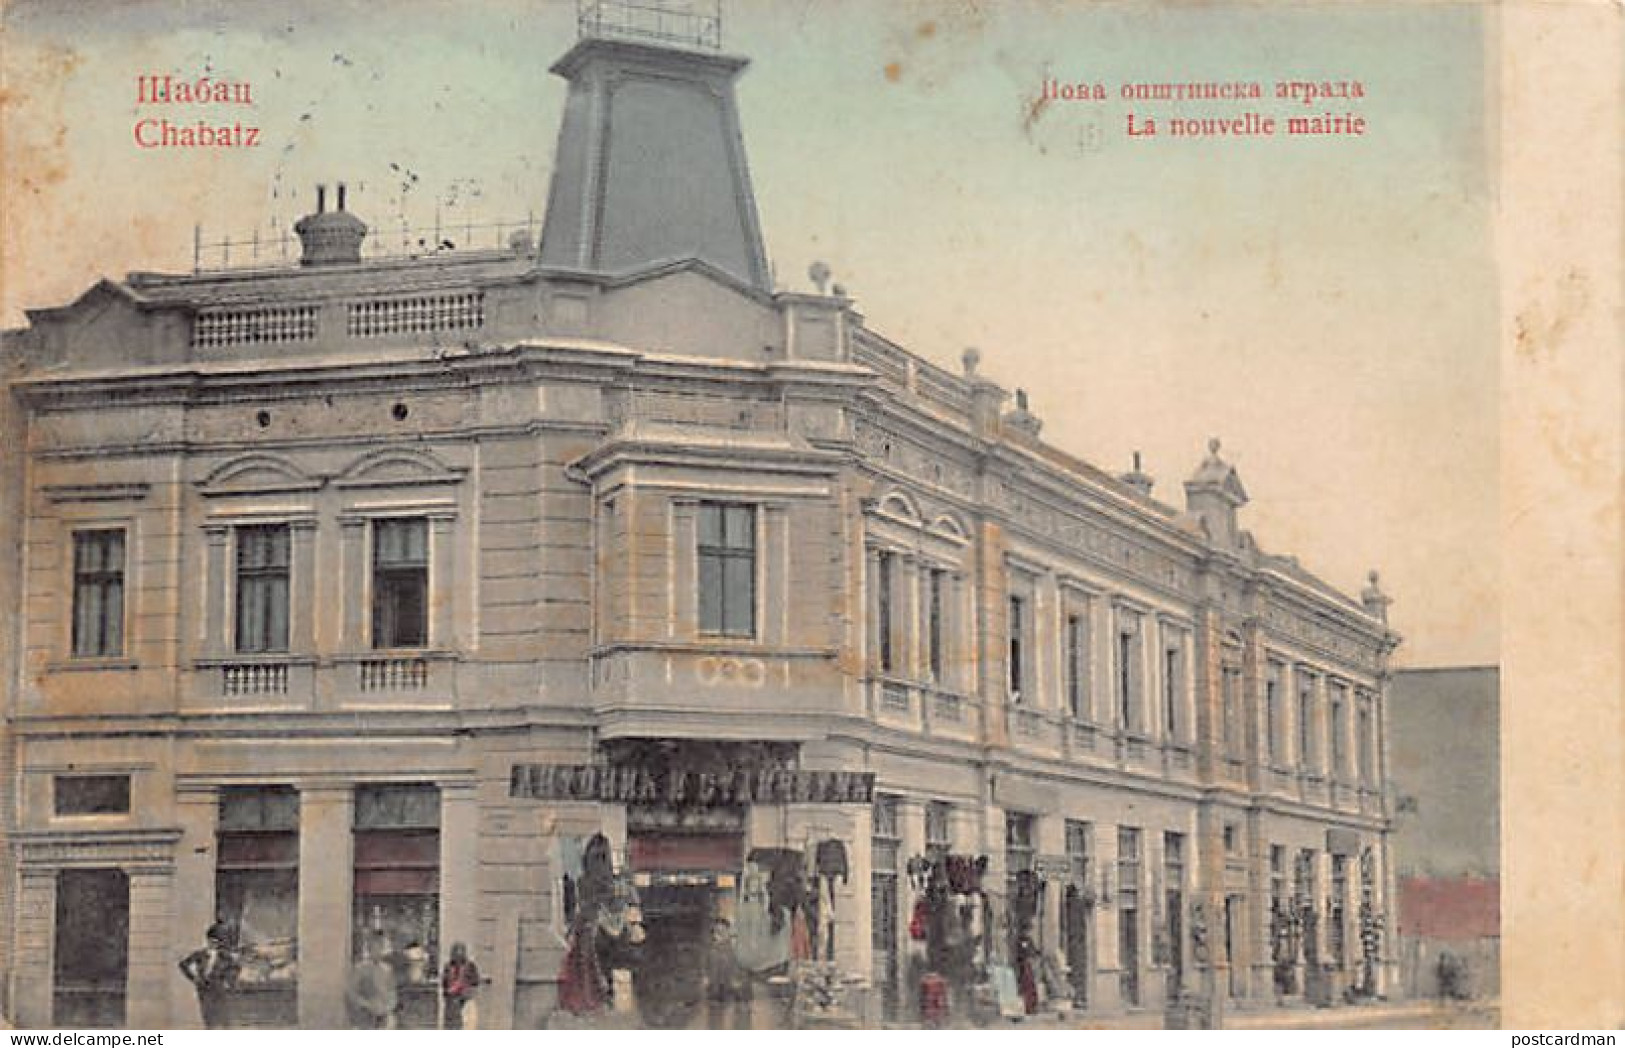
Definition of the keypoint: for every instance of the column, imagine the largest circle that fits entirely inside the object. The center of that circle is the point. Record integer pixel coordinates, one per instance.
(911, 627)
(775, 574)
(442, 581)
(326, 876)
(459, 866)
(354, 584)
(303, 603)
(215, 641)
(681, 621)
(193, 908)
(1106, 990)
(1049, 838)
(154, 981)
(35, 937)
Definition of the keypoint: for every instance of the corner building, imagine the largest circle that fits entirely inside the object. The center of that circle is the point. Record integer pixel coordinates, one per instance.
(334, 576)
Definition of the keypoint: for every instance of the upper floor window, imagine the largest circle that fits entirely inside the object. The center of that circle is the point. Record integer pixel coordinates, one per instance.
(1230, 687)
(91, 794)
(727, 569)
(1306, 716)
(936, 583)
(1338, 709)
(885, 624)
(98, 592)
(1077, 646)
(1272, 712)
(1362, 741)
(400, 583)
(262, 588)
(1018, 648)
(1128, 677)
(1173, 677)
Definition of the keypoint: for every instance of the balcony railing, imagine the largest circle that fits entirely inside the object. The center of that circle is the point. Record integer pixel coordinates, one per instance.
(254, 678)
(403, 674)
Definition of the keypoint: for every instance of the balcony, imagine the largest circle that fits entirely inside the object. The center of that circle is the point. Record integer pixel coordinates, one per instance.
(924, 708)
(729, 688)
(406, 674)
(255, 681)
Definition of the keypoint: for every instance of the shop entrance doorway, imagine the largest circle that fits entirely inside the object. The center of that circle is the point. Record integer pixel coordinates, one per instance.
(684, 882)
(90, 966)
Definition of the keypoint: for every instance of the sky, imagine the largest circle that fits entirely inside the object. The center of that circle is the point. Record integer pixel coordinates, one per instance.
(1324, 306)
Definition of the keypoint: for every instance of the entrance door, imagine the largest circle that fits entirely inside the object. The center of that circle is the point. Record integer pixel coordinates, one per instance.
(1175, 902)
(1232, 939)
(91, 964)
(883, 936)
(1077, 917)
(1128, 954)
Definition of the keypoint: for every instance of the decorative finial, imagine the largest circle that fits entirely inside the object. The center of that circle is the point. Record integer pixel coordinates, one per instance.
(1213, 446)
(1021, 400)
(818, 273)
(1373, 577)
(970, 359)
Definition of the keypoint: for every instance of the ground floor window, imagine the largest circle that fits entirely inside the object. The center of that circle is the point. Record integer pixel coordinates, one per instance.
(396, 908)
(256, 891)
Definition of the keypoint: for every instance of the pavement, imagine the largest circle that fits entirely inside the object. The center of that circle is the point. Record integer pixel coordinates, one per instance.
(1372, 1015)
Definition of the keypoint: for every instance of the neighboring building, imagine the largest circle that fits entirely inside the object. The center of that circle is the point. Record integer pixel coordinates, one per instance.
(333, 574)
(1446, 772)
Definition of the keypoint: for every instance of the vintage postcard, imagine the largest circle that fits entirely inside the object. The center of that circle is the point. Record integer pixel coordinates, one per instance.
(772, 514)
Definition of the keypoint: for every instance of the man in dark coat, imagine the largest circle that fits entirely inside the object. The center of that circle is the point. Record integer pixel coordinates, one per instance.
(213, 971)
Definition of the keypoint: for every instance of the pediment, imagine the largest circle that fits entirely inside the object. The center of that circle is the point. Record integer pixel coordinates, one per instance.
(393, 467)
(257, 473)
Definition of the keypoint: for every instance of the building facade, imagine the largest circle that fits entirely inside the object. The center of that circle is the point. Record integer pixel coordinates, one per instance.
(351, 596)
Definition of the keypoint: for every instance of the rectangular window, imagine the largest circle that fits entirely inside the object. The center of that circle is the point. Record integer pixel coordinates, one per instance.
(1363, 741)
(1128, 654)
(400, 583)
(885, 579)
(98, 593)
(1173, 677)
(1306, 715)
(935, 584)
(1078, 834)
(262, 588)
(938, 829)
(1128, 867)
(1230, 684)
(256, 885)
(1018, 647)
(1019, 851)
(1277, 879)
(91, 794)
(397, 884)
(727, 569)
(1338, 707)
(1272, 713)
(1075, 665)
(886, 838)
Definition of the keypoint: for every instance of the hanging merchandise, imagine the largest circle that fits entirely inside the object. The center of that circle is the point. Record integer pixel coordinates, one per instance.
(758, 946)
(786, 885)
(965, 873)
(800, 944)
(826, 915)
(831, 860)
(582, 986)
(919, 921)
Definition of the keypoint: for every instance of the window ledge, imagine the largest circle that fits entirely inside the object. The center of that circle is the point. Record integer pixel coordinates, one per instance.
(374, 654)
(258, 658)
(91, 665)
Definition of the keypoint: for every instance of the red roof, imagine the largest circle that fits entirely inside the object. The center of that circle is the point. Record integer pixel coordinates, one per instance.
(1450, 908)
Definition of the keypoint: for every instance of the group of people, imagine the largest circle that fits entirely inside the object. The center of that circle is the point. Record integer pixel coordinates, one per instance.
(371, 994)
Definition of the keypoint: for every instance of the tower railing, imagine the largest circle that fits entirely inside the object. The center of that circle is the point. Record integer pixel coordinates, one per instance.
(688, 23)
